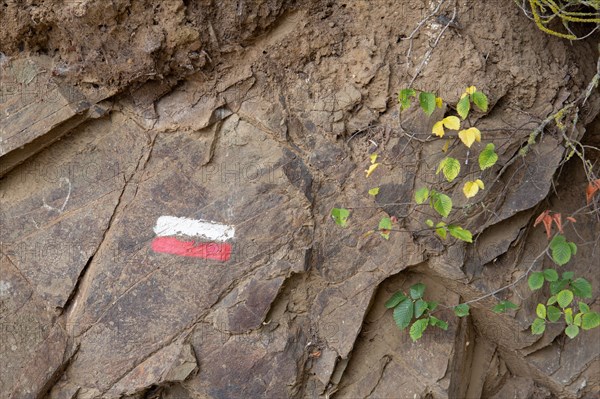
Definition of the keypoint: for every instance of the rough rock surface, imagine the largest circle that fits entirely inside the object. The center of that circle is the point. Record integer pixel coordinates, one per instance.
(262, 115)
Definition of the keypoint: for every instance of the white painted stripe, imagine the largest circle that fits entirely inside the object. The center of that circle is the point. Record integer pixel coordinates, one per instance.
(172, 226)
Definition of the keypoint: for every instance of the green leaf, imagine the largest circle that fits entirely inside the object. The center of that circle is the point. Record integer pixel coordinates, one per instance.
(385, 225)
(463, 107)
(450, 167)
(577, 319)
(427, 101)
(340, 216)
(561, 251)
(404, 98)
(568, 315)
(429, 223)
(434, 321)
(374, 191)
(504, 306)
(460, 233)
(442, 204)
(573, 248)
(442, 232)
(432, 305)
(540, 311)
(550, 275)
(461, 310)
(536, 280)
(551, 300)
(420, 308)
(556, 286)
(568, 275)
(403, 313)
(480, 100)
(418, 328)
(590, 320)
(421, 195)
(553, 313)
(581, 288)
(564, 298)
(538, 326)
(417, 291)
(488, 157)
(395, 300)
(572, 331)
(583, 307)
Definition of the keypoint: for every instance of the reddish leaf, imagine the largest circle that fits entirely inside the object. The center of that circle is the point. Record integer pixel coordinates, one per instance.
(571, 219)
(592, 188)
(547, 220)
(558, 220)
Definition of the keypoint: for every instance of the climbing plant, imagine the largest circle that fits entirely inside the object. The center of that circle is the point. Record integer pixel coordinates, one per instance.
(411, 309)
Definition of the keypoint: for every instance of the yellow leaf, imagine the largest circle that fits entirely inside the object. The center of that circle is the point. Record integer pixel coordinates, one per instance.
(446, 145)
(470, 90)
(463, 95)
(373, 158)
(469, 136)
(371, 169)
(375, 191)
(451, 122)
(470, 189)
(479, 183)
(439, 102)
(438, 129)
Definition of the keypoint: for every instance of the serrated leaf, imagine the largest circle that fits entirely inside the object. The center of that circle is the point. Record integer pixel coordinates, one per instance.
(590, 320)
(557, 286)
(442, 204)
(434, 321)
(573, 248)
(470, 189)
(488, 157)
(550, 275)
(572, 331)
(538, 326)
(553, 313)
(371, 169)
(583, 307)
(420, 308)
(403, 314)
(451, 122)
(568, 315)
(469, 136)
(463, 107)
(577, 319)
(461, 310)
(564, 298)
(581, 288)
(427, 102)
(560, 250)
(439, 102)
(404, 98)
(417, 291)
(421, 195)
(438, 129)
(460, 233)
(418, 328)
(568, 275)
(535, 280)
(450, 168)
(432, 305)
(395, 300)
(340, 216)
(442, 232)
(374, 191)
(551, 300)
(480, 100)
(540, 311)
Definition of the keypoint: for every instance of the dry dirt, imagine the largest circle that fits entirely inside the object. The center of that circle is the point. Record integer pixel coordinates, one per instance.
(262, 114)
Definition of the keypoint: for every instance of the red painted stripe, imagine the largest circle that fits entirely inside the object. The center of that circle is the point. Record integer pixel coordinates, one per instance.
(205, 250)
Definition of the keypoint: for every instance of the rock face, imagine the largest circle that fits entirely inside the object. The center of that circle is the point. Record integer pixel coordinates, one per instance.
(260, 116)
